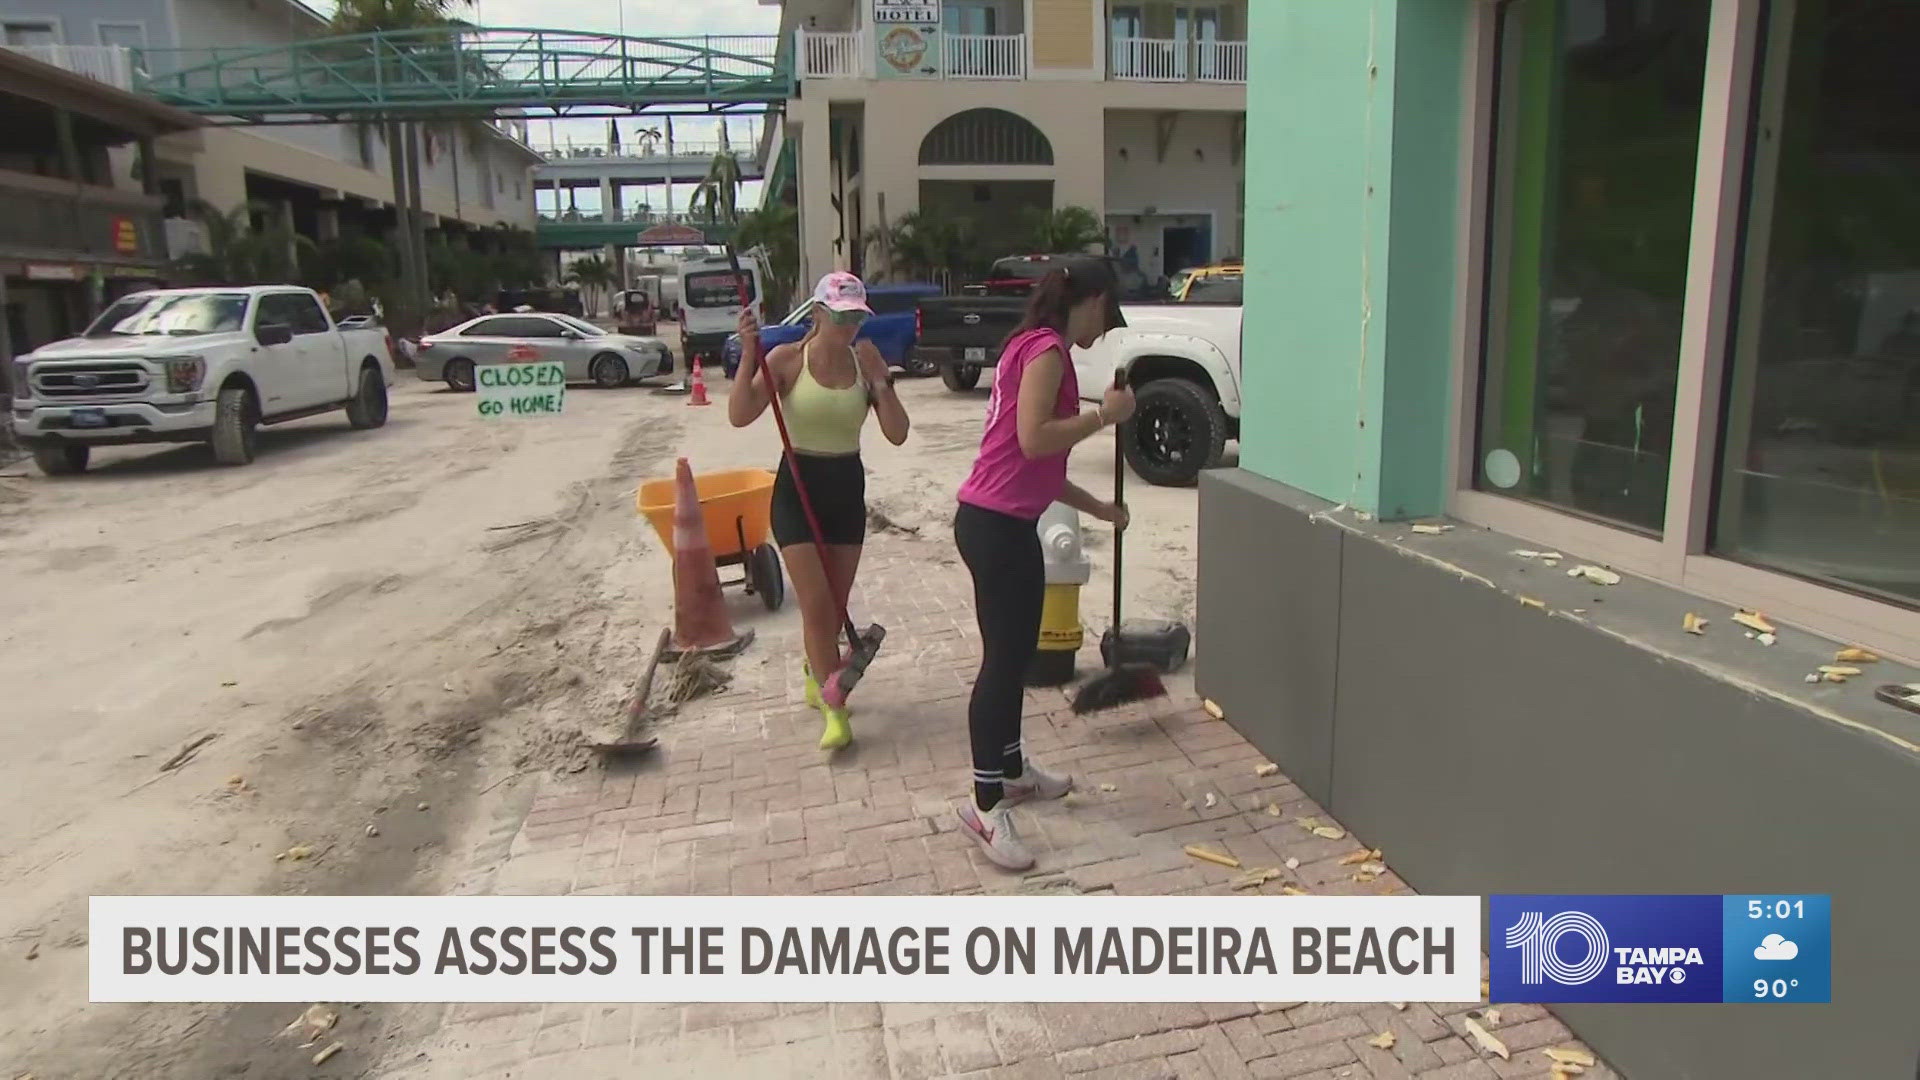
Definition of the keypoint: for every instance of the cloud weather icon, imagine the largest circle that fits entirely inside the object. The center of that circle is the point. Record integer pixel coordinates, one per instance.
(1775, 947)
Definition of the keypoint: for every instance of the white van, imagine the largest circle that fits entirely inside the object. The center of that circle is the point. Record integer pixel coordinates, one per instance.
(710, 303)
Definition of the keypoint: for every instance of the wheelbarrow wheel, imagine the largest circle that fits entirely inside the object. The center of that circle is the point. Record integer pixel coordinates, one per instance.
(769, 583)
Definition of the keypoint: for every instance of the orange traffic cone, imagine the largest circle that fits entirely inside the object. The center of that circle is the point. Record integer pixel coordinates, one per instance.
(700, 622)
(699, 386)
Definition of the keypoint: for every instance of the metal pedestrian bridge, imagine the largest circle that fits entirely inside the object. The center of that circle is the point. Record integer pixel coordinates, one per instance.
(470, 71)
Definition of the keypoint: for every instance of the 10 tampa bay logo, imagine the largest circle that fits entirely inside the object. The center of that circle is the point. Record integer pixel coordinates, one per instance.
(1606, 948)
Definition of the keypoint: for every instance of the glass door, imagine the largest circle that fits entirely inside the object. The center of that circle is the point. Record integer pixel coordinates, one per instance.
(1128, 24)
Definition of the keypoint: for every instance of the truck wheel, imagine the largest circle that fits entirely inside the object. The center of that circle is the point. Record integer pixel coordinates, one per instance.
(960, 377)
(609, 372)
(459, 375)
(234, 427)
(920, 367)
(61, 460)
(368, 407)
(1178, 429)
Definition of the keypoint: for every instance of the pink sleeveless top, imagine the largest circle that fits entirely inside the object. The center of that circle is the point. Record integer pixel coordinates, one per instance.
(1004, 478)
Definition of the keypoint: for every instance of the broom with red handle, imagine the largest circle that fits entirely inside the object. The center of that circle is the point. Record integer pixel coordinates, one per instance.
(861, 648)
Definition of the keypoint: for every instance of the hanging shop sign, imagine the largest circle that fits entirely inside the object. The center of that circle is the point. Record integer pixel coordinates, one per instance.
(906, 39)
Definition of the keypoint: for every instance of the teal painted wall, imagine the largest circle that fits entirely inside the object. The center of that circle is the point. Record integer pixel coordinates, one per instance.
(1352, 173)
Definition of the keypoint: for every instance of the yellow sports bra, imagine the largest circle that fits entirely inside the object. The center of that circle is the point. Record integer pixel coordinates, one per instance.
(822, 419)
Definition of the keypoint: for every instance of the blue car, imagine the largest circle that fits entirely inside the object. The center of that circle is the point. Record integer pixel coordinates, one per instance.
(893, 328)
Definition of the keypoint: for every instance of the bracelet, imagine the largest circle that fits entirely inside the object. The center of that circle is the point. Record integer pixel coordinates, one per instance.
(1100, 414)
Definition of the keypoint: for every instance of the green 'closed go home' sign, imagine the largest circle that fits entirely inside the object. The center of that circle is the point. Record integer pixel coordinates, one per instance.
(522, 390)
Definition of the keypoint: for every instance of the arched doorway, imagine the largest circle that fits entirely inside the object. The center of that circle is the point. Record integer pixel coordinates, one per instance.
(999, 210)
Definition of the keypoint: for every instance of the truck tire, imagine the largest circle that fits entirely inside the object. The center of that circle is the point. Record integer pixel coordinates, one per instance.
(1178, 428)
(960, 377)
(459, 375)
(61, 459)
(235, 427)
(609, 371)
(368, 406)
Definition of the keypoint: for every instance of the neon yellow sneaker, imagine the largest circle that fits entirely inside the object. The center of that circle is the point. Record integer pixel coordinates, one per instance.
(838, 732)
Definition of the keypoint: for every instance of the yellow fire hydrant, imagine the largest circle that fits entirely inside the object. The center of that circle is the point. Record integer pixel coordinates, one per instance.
(1067, 570)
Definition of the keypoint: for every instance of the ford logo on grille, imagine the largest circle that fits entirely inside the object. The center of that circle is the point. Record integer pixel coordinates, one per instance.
(971, 320)
(86, 382)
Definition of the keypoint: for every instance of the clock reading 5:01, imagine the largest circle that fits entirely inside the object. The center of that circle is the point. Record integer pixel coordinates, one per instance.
(1779, 909)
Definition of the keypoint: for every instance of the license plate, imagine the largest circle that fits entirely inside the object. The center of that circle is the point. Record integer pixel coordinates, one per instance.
(87, 418)
(976, 356)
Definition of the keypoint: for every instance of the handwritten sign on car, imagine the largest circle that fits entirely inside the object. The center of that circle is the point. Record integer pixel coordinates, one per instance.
(538, 388)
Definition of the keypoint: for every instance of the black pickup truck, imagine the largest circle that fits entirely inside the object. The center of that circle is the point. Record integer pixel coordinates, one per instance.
(961, 335)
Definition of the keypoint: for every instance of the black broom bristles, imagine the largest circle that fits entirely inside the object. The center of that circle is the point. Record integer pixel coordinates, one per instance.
(1121, 685)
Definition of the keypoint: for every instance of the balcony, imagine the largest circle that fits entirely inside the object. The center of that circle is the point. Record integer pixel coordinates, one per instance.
(110, 64)
(850, 55)
(45, 218)
(1173, 60)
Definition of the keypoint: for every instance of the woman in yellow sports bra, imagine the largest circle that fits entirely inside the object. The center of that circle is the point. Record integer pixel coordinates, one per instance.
(828, 383)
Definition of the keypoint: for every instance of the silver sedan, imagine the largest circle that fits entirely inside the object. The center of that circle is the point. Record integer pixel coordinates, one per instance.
(590, 353)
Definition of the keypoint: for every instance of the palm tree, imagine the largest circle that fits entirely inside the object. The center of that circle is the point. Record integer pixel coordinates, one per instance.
(239, 254)
(775, 230)
(719, 194)
(1069, 229)
(594, 275)
(928, 245)
(649, 138)
(371, 16)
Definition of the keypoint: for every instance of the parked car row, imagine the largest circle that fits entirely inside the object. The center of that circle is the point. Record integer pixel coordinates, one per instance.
(214, 365)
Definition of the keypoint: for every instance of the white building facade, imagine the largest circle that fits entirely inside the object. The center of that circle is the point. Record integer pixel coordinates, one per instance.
(990, 109)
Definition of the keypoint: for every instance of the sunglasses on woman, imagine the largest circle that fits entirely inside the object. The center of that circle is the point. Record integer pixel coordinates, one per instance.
(846, 318)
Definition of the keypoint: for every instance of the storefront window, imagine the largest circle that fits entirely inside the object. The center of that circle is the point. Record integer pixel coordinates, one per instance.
(1596, 142)
(1820, 466)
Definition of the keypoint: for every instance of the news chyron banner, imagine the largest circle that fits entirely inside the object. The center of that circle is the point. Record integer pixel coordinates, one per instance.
(785, 949)
(1728, 949)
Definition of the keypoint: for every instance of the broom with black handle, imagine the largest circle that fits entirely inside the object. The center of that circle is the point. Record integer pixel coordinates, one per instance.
(1124, 682)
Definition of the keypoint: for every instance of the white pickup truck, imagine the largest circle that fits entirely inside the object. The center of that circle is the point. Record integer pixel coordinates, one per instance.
(1183, 361)
(196, 365)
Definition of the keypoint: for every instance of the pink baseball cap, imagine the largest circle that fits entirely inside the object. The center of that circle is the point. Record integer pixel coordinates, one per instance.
(841, 291)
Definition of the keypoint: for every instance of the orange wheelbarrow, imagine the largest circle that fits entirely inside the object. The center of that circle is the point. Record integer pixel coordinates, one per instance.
(737, 507)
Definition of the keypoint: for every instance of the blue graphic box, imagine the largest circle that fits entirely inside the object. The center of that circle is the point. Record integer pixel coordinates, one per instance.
(1660, 948)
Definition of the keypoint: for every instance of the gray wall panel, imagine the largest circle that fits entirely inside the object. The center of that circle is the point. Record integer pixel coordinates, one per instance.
(1268, 628)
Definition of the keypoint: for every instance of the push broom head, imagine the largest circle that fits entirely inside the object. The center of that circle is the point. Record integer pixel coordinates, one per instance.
(1120, 685)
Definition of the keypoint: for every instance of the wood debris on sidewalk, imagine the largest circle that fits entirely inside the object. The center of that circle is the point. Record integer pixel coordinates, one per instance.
(1205, 855)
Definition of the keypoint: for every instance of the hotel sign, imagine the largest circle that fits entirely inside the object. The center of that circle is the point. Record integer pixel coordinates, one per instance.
(906, 39)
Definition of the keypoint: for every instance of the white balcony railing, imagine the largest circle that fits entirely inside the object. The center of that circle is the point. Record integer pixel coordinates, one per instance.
(833, 55)
(1220, 61)
(985, 56)
(1149, 60)
(1175, 60)
(110, 64)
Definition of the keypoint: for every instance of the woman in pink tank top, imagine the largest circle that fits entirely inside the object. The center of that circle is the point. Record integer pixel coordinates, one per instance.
(1033, 420)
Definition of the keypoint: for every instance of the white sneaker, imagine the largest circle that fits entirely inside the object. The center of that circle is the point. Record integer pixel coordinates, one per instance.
(1035, 783)
(993, 830)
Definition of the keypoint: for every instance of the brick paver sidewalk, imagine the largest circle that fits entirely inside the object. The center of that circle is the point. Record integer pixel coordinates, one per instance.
(740, 801)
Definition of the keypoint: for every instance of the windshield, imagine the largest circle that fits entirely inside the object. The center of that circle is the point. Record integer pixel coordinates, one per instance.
(171, 314)
(714, 288)
(1221, 289)
(1022, 269)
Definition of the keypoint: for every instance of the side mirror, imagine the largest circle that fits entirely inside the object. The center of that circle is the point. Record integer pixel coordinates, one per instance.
(271, 334)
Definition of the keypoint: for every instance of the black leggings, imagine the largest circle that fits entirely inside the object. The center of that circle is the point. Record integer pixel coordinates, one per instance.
(1009, 587)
